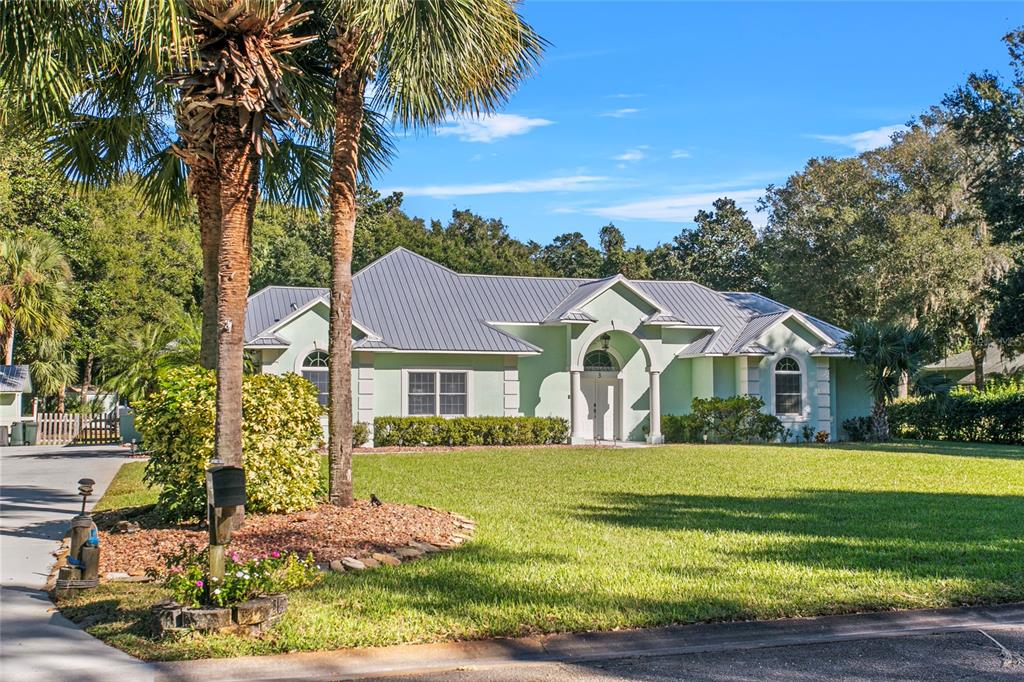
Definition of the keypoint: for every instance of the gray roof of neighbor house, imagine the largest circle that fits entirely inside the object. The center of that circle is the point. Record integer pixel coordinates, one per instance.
(996, 362)
(15, 379)
(409, 302)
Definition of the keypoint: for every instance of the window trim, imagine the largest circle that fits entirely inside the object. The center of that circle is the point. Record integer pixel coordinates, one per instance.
(437, 371)
(802, 393)
(303, 368)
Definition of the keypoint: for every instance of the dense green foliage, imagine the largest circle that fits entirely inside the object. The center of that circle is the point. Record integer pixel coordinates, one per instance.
(995, 416)
(360, 434)
(433, 431)
(581, 539)
(281, 431)
(737, 419)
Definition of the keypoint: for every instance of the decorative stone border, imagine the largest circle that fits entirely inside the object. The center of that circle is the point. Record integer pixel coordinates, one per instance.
(251, 617)
(414, 550)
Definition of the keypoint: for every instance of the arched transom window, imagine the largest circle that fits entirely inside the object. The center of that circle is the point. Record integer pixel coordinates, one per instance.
(600, 361)
(788, 388)
(314, 370)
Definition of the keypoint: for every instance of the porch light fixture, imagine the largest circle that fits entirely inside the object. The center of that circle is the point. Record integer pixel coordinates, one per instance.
(605, 341)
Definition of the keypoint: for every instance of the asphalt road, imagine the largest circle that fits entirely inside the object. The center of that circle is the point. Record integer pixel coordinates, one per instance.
(931, 658)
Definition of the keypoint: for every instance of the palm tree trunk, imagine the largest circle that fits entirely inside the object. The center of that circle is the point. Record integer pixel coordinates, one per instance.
(87, 376)
(61, 394)
(880, 421)
(8, 341)
(348, 108)
(205, 188)
(237, 164)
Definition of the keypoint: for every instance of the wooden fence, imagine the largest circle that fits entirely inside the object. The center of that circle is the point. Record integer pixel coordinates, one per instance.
(77, 429)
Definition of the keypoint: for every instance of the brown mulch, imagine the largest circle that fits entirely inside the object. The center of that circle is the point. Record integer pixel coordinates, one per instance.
(327, 531)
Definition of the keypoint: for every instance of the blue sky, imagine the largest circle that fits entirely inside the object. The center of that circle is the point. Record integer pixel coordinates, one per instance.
(642, 113)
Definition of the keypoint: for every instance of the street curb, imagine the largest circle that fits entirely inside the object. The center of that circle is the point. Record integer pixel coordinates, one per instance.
(592, 646)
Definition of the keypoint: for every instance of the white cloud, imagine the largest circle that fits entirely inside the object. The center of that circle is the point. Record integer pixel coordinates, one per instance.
(568, 183)
(634, 154)
(491, 127)
(675, 208)
(681, 154)
(626, 95)
(620, 113)
(864, 140)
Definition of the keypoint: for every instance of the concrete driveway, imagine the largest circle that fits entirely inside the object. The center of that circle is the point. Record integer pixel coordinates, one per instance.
(38, 498)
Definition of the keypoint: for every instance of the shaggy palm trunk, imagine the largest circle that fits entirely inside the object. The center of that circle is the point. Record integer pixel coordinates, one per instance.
(880, 421)
(8, 341)
(237, 165)
(205, 188)
(978, 356)
(348, 103)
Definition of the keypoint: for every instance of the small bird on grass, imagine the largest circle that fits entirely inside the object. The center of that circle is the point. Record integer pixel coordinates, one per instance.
(375, 501)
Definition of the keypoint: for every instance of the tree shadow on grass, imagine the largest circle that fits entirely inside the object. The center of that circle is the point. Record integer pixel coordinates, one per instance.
(956, 449)
(914, 534)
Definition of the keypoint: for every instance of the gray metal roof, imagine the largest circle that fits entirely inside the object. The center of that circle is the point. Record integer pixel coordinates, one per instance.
(15, 379)
(412, 303)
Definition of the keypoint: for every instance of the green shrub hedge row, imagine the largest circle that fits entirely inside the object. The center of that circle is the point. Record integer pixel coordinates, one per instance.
(967, 416)
(469, 431)
(738, 419)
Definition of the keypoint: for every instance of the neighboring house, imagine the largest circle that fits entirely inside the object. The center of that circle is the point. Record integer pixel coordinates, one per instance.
(610, 355)
(14, 383)
(959, 368)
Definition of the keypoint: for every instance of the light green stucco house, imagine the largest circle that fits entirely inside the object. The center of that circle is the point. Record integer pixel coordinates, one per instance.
(611, 355)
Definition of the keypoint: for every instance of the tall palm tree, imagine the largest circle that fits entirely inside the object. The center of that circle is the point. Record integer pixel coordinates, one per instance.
(887, 351)
(427, 61)
(34, 296)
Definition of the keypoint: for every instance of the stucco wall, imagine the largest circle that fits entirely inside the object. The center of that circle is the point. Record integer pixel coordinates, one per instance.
(486, 380)
(10, 408)
(851, 395)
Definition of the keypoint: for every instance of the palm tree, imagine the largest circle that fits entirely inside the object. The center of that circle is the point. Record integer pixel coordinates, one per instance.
(34, 297)
(887, 351)
(53, 370)
(427, 61)
(133, 362)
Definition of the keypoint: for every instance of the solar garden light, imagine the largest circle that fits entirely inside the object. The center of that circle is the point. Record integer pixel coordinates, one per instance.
(83, 562)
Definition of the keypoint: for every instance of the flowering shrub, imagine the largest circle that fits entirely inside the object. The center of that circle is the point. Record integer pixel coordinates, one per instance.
(243, 579)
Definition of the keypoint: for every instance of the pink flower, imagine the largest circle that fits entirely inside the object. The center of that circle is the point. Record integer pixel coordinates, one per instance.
(275, 554)
(199, 583)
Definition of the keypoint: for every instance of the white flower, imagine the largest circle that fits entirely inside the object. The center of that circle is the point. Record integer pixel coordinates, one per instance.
(217, 591)
(246, 576)
(238, 574)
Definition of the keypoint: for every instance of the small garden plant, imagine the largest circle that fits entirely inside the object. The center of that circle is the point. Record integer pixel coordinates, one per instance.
(244, 579)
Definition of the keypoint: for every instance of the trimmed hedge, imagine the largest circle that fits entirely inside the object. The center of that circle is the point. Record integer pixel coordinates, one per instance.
(738, 419)
(996, 417)
(280, 436)
(389, 431)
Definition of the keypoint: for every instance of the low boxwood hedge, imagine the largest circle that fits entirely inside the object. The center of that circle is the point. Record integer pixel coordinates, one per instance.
(415, 431)
(990, 417)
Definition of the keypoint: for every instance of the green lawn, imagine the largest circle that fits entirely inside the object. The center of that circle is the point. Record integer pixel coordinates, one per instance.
(586, 539)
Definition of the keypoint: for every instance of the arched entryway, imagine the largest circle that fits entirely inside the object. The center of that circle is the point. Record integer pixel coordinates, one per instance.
(605, 391)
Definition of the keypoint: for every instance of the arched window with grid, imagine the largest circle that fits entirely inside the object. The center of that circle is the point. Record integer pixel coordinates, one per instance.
(788, 387)
(314, 370)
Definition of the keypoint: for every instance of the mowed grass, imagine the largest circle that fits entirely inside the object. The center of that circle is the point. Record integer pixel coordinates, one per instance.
(594, 539)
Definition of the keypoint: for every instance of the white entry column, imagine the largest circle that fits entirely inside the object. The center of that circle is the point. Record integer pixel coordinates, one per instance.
(655, 401)
(578, 402)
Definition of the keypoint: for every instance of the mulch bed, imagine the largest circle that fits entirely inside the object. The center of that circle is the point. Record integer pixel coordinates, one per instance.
(327, 531)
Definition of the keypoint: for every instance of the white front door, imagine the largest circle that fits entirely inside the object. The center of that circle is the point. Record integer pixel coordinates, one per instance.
(599, 392)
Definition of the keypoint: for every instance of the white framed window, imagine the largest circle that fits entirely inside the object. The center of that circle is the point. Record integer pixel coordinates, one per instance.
(788, 387)
(432, 392)
(314, 370)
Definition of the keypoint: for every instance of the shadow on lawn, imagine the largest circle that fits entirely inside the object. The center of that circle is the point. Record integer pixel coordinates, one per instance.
(917, 534)
(924, 447)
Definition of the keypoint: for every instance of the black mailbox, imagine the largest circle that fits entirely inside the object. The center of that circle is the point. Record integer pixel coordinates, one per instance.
(225, 486)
